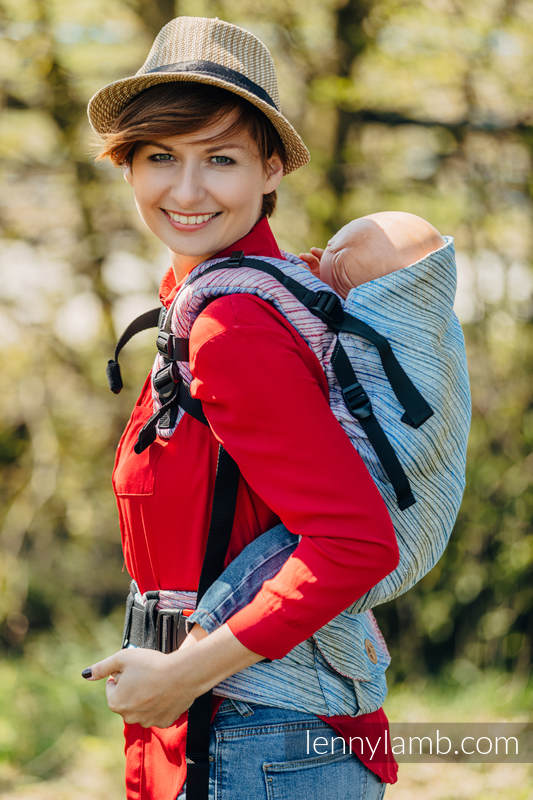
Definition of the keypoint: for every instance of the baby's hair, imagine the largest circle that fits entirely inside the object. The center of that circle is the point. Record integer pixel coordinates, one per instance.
(179, 107)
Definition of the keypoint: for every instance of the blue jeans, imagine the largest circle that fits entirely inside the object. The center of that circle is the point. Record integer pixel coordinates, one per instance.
(264, 753)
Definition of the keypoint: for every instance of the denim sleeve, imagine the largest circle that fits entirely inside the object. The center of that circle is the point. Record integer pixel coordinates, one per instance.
(242, 579)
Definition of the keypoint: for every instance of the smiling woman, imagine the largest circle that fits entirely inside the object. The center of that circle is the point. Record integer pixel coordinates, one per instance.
(200, 136)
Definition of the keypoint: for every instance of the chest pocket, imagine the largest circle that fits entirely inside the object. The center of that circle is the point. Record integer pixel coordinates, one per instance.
(134, 474)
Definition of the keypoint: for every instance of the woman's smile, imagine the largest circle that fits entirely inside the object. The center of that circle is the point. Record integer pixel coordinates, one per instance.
(189, 222)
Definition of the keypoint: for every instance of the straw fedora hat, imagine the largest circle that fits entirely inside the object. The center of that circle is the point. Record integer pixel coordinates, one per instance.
(205, 50)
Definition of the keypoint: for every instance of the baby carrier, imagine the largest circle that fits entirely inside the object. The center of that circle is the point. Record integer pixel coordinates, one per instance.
(393, 354)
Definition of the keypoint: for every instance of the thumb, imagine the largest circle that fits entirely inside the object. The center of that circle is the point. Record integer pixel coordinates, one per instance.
(102, 669)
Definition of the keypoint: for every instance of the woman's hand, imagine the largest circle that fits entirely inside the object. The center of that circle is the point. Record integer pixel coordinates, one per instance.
(146, 686)
(155, 689)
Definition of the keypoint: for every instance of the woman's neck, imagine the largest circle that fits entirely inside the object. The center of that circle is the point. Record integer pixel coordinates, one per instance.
(182, 265)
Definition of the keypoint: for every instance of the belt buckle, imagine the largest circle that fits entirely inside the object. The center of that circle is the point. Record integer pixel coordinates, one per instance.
(170, 629)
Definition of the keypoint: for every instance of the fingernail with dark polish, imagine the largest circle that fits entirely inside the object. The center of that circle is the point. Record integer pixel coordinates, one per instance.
(87, 673)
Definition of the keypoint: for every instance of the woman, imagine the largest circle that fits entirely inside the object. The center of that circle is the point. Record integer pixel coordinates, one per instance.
(204, 147)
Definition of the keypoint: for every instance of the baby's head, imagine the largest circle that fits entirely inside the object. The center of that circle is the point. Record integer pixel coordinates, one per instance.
(357, 253)
(370, 247)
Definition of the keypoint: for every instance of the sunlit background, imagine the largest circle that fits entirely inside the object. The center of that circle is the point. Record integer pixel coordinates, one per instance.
(418, 106)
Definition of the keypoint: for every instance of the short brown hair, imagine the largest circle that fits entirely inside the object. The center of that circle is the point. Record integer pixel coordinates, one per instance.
(185, 107)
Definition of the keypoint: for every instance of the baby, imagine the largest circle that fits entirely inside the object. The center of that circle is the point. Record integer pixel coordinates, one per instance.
(370, 247)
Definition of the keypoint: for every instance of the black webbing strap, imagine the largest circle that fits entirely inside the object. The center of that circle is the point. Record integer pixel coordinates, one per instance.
(359, 405)
(417, 410)
(150, 319)
(190, 405)
(148, 431)
(221, 524)
(328, 307)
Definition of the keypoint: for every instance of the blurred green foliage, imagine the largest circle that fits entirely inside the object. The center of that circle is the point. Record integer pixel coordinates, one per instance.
(424, 107)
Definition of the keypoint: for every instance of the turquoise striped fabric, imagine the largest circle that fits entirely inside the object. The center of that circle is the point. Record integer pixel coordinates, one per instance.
(413, 309)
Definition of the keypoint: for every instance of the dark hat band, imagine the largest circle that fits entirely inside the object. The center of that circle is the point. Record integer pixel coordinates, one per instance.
(213, 70)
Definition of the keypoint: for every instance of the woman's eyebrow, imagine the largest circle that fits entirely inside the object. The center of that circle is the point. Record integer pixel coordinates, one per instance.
(219, 146)
(157, 144)
(226, 145)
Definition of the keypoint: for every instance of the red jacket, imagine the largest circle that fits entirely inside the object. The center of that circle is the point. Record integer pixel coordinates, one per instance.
(297, 465)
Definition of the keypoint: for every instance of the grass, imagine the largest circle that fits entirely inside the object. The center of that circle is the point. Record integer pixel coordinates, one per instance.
(491, 697)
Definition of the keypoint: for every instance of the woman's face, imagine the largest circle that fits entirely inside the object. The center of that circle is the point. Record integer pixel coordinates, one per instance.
(200, 192)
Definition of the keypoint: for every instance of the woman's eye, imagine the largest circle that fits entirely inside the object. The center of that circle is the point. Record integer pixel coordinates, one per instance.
(225, 160)
(159, 157)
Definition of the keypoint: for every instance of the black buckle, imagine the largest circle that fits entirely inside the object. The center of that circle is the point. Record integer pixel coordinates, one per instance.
(357, 401)
(236, 258)
(164, 344)
(170, 629)
(166, 381)
(327, 307)
(172, 347)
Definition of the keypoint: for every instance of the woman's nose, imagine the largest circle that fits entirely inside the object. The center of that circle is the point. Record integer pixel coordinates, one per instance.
(187, 189)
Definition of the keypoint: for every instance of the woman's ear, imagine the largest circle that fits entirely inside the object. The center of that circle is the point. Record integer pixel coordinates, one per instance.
(274, 173)
(126, 169)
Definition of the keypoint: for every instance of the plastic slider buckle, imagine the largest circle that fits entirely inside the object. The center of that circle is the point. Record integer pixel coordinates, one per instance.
(357, 401)
(170, 629)
(236, 257)
(172, 347)
(327, 307)
(164, 344)
(165, 381)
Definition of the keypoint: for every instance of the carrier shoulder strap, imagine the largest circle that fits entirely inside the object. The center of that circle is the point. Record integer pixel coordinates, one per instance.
(327, 306)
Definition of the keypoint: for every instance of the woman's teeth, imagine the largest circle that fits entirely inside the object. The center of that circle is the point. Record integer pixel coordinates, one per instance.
(190, 220)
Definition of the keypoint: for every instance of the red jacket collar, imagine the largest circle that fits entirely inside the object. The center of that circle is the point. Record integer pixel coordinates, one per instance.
(259, 241)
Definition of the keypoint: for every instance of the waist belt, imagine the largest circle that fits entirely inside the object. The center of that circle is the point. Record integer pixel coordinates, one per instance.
(149, 625)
